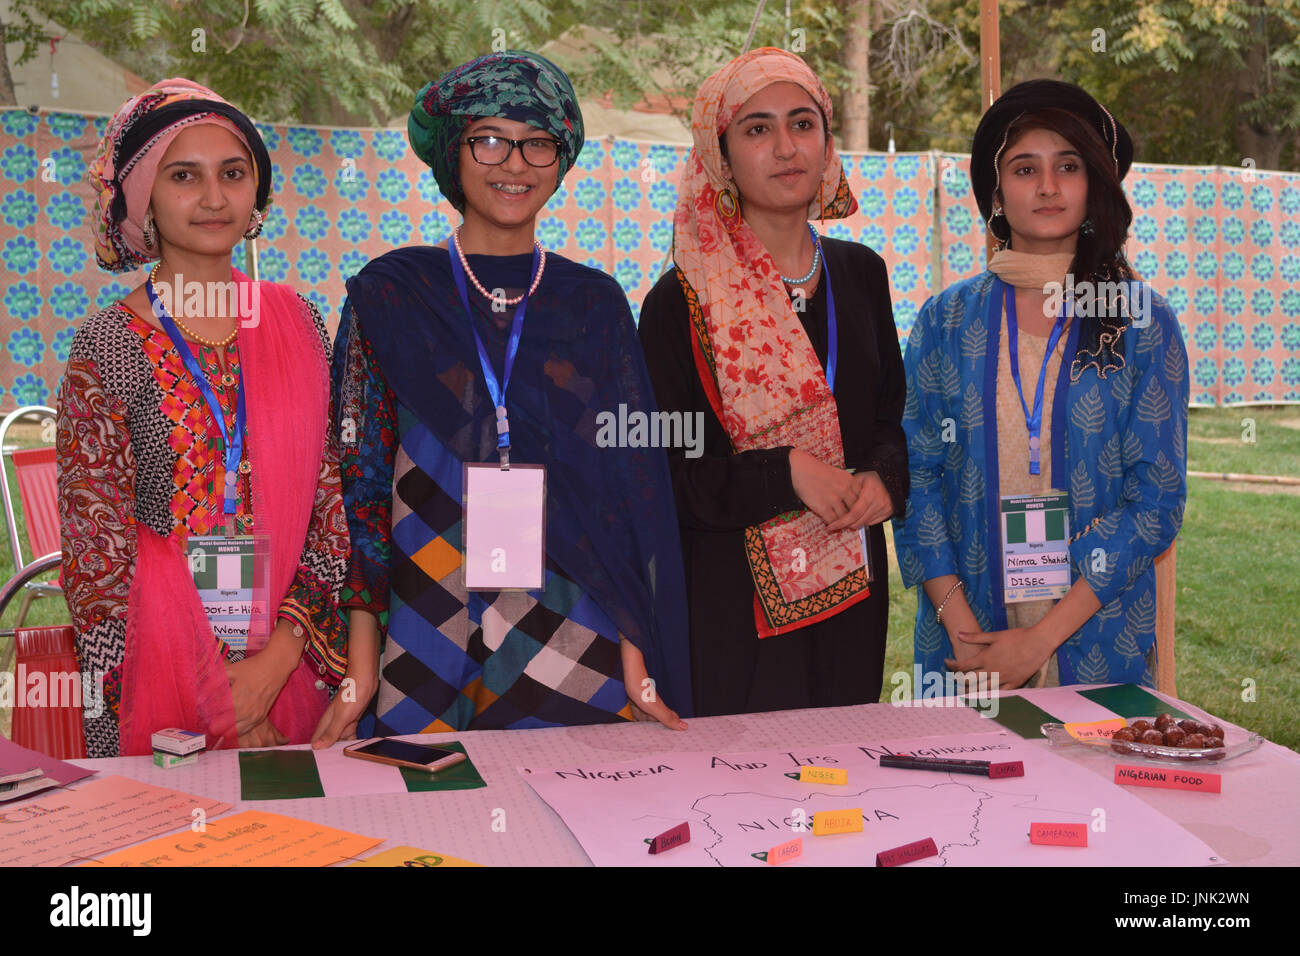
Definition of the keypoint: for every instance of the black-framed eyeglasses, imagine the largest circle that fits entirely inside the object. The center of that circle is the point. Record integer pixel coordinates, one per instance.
(540, 151)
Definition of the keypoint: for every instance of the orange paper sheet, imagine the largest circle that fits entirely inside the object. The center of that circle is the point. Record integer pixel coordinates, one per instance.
(68, 826)
(251, 838)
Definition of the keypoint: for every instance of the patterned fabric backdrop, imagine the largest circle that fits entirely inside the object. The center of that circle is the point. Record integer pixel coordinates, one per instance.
(1224, 250)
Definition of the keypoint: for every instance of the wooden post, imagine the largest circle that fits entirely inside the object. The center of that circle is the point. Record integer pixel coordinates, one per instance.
(990, 76)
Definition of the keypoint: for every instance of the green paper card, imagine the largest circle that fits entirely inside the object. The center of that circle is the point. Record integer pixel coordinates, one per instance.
(462, 776)
(1017, 714)
(1130, 700)
(278, 775)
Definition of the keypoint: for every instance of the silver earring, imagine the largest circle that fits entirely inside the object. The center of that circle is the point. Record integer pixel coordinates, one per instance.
(255, 224)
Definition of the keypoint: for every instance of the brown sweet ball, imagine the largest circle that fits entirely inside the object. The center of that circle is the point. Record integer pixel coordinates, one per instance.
(1174, 736)
(1120, 747)
(1125, 734)
(1194, 741)
(1152, 736)
(1141, 726)
(1214, 741)
(1163, 721)
(1204, 730)
(1189, 725)
(1216, 731)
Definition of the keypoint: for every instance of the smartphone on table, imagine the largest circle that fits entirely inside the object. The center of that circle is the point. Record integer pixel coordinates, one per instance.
(401, 753)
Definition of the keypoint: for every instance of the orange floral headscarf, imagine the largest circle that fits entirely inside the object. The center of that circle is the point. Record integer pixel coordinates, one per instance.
(776, 394)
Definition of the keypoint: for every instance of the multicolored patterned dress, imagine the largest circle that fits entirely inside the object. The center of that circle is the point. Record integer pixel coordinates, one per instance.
(137, 444)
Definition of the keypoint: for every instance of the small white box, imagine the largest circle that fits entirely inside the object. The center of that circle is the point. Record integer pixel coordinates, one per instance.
(173, 740)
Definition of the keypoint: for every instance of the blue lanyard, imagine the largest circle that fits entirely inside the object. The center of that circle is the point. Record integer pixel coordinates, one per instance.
(1034, 421)
(496, 390)
(832, 326)
(234, 444)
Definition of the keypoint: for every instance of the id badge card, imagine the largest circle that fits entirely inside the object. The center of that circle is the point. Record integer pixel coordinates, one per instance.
(504, 524)
(1035, 547)
(232, 575)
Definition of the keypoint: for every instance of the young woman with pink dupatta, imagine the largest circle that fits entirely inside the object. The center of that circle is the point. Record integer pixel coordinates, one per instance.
(785, 343)
(199, 416)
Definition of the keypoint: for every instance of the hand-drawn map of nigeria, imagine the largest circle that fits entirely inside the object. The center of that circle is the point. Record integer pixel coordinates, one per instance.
(737, 805)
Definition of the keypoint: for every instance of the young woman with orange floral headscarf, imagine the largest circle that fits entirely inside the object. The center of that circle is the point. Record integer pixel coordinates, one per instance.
(785, 342)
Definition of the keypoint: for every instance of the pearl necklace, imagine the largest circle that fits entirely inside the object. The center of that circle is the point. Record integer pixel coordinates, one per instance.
(817, 261)
(197, 338)
(541, 267)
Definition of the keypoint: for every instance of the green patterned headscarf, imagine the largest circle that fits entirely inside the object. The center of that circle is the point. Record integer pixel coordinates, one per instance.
(515, 85)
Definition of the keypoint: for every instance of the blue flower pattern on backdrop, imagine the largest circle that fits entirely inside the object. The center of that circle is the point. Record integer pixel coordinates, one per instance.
(273, 265)
(590, 234)
(1144, 194)
(434, 227)
(311, 223)
(1205, 336)
(1204, 373)
(1261, 198)
(69, 301)
(1261, 302)
(309, 181)
(347, 143)
(18, 162)
(1232, 195)
(67, 255)
(1203, 195)
(592, 155)
(960, 260)
(111, 293)
(629, 275)
(1147, 265)
(1234, 300)
(23, 301)
(1175, 230)
(1261, 232)
(1206, 299)
(352, 184)
(1261, 267)
(18, 209)
(69, 167)
(958, 220)
(1234, 335)
(1288, 268)
(627, 235)
(26, 346)
(352, 262)
(303, 141)
(1176, 267)
(1145, 229)
(1261, 336)
(589, 195)
(625, 155)
(313, 265)
(627, 194)
(1262, 371)
(1233, 265)
(872, 202)
(389, 144)
(906, 239)
(663, 197)
(20, 255)
(30, 390)
(393, 186)
(903, 277)
(661, 236)
(552, 232)
(1234, 372)
(270, 136)
(66, 126)
(1289, 234)
(353, 225)
(1204, 229)
(1291, 302)
(1291, 337)
(62, 344)
(1233, 230)
(18, 123)
(1205, 265)
(906, 202)
(395, 228)
(66, 211)
(1175, 194)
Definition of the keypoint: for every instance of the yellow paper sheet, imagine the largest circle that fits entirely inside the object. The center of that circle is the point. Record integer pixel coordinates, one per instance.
(251, 838)
(67, 826)
(410, 856)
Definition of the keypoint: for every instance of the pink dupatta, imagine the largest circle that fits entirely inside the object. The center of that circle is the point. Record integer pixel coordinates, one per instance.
(172, 672)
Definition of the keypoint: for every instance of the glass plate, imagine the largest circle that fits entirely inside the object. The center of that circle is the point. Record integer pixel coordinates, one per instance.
(1057, 736)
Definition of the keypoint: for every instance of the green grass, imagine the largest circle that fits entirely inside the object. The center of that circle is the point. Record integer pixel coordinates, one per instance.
(1218, 440)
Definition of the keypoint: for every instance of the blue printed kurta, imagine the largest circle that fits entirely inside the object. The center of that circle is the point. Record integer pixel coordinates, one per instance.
(1119, 447)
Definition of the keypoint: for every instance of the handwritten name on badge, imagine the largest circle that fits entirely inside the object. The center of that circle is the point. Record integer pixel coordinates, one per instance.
(827, 822)
(1168, 779)
(907, 853)
(1095, 730)
(1059, 834)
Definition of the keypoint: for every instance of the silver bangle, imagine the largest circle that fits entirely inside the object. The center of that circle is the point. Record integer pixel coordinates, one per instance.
(938, 614)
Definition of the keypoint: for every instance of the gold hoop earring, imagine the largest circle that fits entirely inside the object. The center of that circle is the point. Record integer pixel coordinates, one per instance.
(149, 232)
(727, 207)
